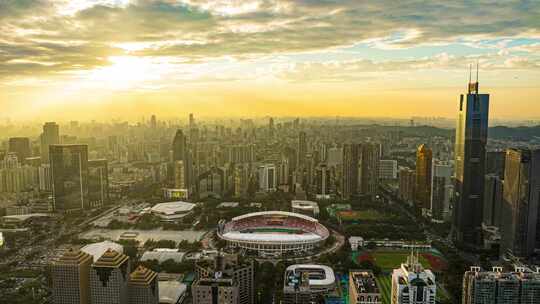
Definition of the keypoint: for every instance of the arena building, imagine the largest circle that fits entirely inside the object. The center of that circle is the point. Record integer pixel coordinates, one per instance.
(172, 211)
(273, 233)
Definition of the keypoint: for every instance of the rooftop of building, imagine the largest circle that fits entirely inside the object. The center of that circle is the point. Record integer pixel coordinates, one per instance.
(73, 257)
(171, 208)
(98, 249)
(111, 259)
(142, 276)
(364, 281)
(319, 275)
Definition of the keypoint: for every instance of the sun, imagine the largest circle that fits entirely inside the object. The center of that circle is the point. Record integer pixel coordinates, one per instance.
(124, 72)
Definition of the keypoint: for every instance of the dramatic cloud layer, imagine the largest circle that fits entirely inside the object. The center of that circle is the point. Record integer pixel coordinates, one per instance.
(155, 45)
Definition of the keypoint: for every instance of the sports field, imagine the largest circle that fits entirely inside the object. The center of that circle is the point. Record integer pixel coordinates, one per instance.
(391, 259)
(353, 215)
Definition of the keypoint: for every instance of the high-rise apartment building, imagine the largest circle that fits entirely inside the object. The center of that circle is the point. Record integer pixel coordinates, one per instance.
(521, 199)
(143, 286)
(424, 163)
(50, 136)
(21, 147)
(470, 158)
(501, 287)
(69, 164)
(70, 278)
(412, 284)
(109, 279)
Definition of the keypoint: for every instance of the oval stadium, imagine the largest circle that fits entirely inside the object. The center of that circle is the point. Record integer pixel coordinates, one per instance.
(273, 233)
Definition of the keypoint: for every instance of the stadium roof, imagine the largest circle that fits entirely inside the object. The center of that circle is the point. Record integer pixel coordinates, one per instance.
(329, 277)
(171, 208)
(98, 249)
(282, 213)
(269, 237)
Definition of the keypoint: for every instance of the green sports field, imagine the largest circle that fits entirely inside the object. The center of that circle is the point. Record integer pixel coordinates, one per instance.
(389, 260)
(385, 286)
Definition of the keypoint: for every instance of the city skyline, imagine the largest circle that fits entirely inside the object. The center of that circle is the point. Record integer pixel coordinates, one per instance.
(97, 59)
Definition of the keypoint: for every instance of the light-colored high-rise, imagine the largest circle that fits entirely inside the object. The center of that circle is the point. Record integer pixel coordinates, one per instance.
(412, 284)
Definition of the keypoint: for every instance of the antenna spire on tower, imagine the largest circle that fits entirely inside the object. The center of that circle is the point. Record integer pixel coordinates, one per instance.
(476, 71)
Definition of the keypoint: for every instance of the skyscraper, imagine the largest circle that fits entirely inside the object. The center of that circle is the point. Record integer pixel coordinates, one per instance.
(441, 191)
(407, 181)
(424, 161)
(69, 165)
(50, 136)
(98, 183)
(179, 146)
(21, 147)
(302, 149)
(109, 278)
(370, 155)
(470, 156)
(349, 182)
(493, 192)
(69, 277)
(521, 199)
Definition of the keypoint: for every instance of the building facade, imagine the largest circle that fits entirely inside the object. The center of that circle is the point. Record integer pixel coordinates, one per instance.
(70, 278)
(69, 164)
(521, 199)
(470, 158)
(412, 284)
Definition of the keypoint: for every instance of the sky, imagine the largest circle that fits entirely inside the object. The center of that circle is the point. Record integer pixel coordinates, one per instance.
(102, 59)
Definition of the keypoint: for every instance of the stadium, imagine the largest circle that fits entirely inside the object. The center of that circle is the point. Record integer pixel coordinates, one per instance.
(273, 233)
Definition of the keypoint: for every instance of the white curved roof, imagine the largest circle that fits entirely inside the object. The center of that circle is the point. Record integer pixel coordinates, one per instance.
(271, 237)
(283, 213)
(329, 277)
(171, 208)
(98, 249)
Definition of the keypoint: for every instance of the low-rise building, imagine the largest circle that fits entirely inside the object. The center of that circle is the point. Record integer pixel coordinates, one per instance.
(172, 211)
(304, 283)
(363, 288)
(305, 207)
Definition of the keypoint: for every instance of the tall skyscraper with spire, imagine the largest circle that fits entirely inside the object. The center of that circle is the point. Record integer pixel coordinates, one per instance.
(470, 159)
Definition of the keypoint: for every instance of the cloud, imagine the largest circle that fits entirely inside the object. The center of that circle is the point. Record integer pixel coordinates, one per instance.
(58, 36)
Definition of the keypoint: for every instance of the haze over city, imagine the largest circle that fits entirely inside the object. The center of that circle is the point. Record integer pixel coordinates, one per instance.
(104, 59)
(269, 152)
